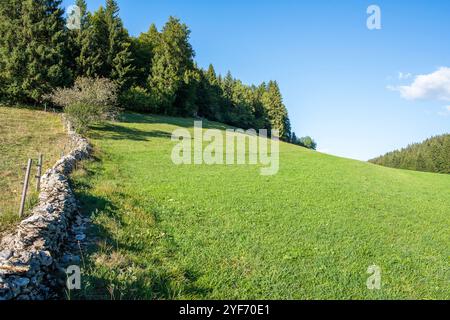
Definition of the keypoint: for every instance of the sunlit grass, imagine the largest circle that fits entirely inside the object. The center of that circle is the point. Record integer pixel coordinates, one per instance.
(24, 133)
(212, 232)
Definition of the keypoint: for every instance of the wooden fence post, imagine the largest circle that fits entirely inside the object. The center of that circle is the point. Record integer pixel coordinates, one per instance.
(39, 173)
(25, 188)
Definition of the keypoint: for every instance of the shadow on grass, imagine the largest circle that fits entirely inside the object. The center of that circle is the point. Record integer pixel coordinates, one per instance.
(179, 122)
(114, 131)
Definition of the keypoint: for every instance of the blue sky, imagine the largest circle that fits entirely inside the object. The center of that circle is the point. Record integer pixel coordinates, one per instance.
(352, 89)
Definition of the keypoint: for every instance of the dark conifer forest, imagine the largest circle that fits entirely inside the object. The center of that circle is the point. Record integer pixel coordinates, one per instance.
(432, 155)
(155, 71)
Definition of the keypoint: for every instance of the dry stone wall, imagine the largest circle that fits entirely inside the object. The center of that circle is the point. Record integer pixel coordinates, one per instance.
(29, 257)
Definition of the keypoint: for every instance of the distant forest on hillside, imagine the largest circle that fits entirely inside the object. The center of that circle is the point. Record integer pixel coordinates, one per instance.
(432, 155)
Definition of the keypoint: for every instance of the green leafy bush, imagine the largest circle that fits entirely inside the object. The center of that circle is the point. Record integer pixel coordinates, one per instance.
(137, 99)
(89, 101)
(82, 116)
(307, 142)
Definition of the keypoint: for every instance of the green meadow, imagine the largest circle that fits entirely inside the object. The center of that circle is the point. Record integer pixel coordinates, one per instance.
(226, 232)
(24, 134)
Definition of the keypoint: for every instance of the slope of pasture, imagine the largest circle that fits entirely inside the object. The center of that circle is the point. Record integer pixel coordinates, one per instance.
(309, 232)
(24, 133)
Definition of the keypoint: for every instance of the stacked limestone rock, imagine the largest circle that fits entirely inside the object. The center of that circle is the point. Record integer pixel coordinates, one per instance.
(28, 258)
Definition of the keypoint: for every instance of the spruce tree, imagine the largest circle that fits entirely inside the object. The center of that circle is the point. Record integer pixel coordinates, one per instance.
(226, 86)
(90, 62)
(276, 110)
(33, 52)
(115, 31)
(122, 68)
(261, 118)
(185, 103)
(242, 108)
(209, 92)
(95, 46)
(173, 57)
(12, 49)
(118, 56)
(211, 75)
(105, 47)
(75, 41)
(142, 53)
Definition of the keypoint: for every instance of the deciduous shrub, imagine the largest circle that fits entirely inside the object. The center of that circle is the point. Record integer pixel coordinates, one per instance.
(89, 101)
(137, 99)
(308, 142)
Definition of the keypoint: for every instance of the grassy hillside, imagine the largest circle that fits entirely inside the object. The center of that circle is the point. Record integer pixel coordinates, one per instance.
(432, 155)
(24, 133)
(309, 232)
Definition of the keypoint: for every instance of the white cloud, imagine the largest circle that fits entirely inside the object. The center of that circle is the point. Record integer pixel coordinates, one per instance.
(433, 86)
(404, 76)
